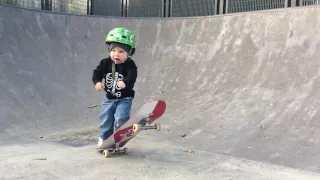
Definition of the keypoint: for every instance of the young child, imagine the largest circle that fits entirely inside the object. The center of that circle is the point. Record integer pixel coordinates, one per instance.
(120, 73)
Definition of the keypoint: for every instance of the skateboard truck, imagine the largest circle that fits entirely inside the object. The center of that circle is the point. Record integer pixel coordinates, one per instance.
(115, 150)
(142, 125)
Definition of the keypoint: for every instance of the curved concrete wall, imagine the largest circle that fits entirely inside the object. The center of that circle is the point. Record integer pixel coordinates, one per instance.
(243, 84)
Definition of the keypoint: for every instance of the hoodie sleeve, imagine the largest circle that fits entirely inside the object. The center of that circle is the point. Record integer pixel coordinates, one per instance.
(99, 72)
(132, 73)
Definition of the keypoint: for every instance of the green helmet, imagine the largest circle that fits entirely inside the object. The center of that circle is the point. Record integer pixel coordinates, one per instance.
(122, 35)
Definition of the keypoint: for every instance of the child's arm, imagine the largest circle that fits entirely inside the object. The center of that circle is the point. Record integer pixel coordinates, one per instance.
(131, 77)
(98, 75)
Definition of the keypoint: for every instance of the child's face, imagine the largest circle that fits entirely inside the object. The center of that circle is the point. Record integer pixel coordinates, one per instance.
(118, 55)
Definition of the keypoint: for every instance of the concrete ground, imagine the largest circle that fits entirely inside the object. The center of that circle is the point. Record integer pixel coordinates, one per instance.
(243, 88)
(54, 161)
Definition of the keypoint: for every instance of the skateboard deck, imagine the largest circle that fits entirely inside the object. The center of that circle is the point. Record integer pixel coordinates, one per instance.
(141, 120)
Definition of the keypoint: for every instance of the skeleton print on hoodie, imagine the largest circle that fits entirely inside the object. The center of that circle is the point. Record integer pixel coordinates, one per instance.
(126, 72)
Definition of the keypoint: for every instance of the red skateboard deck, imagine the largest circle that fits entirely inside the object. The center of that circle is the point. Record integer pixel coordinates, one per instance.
(142, 119)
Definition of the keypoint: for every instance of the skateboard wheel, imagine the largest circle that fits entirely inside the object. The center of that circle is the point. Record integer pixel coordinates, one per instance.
(106, 153)
(125, 150)
(136, 127)
(158, 127)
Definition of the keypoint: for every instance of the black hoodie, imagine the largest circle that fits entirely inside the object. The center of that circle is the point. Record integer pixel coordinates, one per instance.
(127, 72)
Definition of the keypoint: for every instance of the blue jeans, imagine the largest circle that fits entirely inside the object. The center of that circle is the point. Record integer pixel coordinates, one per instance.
(114, 113)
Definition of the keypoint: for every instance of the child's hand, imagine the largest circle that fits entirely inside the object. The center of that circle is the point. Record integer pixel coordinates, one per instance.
(121, 85)
(99, 86)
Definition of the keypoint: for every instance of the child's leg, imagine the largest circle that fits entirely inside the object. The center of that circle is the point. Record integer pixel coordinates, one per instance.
(123, 112)
(106, 116)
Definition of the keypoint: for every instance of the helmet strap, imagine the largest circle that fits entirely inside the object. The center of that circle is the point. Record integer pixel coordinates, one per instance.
(131, 52)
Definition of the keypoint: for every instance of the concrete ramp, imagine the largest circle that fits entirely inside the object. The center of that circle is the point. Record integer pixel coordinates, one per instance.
(245, 85)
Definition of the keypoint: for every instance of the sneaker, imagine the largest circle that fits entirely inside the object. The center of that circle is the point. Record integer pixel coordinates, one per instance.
(100, 142)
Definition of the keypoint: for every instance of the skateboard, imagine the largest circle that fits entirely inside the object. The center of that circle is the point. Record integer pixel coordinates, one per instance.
(141, 120)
